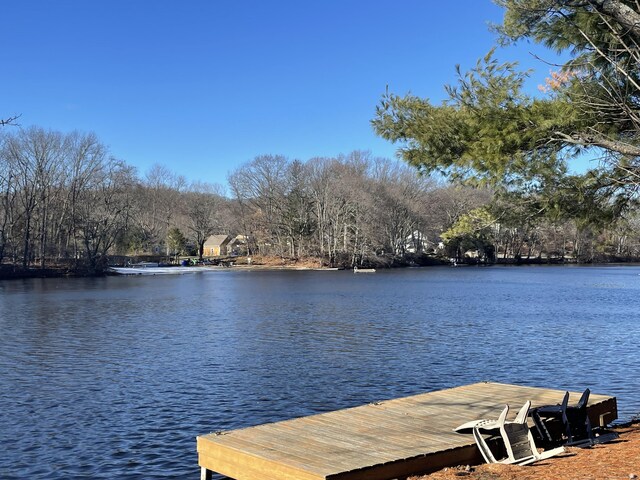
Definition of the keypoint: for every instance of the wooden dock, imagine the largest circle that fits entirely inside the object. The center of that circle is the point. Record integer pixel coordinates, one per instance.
(386, 440)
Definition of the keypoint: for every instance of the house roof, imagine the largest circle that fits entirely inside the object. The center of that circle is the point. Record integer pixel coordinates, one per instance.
(239, 240)
(214, 240)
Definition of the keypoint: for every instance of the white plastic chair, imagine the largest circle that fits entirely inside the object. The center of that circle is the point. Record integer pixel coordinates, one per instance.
(518, 441)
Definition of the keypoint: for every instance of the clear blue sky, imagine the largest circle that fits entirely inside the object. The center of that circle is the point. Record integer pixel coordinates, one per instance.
(201, 86)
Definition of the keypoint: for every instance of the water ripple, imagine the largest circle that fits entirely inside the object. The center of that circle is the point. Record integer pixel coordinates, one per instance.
(116, 377)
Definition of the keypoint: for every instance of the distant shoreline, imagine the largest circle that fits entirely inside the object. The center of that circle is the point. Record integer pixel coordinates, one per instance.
(10, 273)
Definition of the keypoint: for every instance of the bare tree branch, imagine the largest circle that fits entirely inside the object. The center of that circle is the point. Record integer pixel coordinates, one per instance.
(9, 121)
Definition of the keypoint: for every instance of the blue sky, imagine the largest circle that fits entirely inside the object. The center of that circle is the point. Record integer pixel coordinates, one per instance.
(203, 86)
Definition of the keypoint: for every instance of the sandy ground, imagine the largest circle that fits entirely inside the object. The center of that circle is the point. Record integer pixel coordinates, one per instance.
(276, 263)
(615, 460)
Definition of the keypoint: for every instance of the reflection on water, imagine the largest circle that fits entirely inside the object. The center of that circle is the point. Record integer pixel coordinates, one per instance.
(114, 377)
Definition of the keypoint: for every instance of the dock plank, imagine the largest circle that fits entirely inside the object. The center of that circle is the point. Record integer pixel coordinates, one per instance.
(378, 441)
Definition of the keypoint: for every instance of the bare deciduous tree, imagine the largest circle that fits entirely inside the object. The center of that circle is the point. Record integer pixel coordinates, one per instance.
(104, 211)
(202, 206)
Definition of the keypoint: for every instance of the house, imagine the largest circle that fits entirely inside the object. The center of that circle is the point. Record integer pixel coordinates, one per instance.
(216, 246)
(417, 242)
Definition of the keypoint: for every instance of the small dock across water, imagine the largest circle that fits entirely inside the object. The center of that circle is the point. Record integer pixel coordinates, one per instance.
(380, 441)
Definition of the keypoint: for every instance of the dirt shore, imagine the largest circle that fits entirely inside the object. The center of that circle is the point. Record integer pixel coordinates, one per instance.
(615, 460)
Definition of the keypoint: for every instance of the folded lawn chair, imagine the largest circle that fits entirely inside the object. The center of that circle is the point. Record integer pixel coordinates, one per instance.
(516, 436)
(575, 427)
(572, 423)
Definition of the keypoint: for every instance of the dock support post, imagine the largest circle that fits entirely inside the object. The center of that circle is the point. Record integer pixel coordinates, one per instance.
(205, 474)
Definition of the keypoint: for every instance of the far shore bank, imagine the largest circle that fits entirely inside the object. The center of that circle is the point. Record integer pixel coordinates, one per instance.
(8, 272)
(18, 273)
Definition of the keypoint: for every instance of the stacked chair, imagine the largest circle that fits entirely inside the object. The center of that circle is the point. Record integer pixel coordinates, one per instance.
(565, 424)
(516, 437)
(557, 426)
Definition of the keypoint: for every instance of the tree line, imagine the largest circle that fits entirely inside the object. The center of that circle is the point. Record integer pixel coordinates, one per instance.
(67, 201)
(357, 209)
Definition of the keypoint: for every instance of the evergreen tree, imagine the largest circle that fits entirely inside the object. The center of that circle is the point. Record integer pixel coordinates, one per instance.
(488, 130)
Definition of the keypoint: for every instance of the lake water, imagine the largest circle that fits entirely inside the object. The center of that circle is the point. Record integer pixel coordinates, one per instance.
(114, 377)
